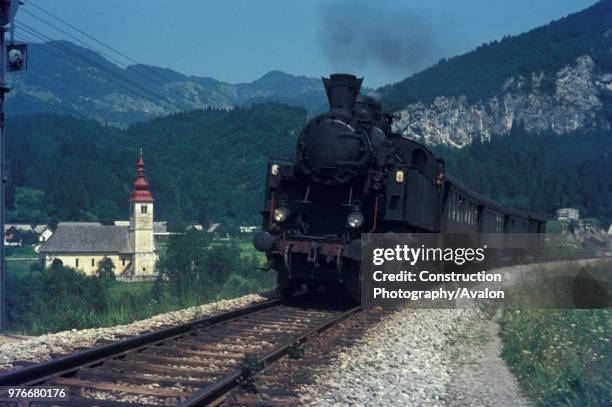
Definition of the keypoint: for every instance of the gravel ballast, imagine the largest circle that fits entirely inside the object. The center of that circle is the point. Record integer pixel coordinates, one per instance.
(420, 357)
(47, 347)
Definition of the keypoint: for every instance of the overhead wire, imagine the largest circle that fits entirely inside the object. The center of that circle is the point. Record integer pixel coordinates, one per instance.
(136, 88)
(91, 37)
(135, 69)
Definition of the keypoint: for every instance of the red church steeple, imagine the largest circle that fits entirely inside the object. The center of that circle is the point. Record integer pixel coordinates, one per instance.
(141, 191)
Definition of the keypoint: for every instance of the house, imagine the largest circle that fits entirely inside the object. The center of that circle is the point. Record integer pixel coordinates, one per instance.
(130, 246)
(16, 233)
(248, 229)
(11, 236)
(160, 231)
(22, 227)
(568, 214)
(218, 231)
(43, 232)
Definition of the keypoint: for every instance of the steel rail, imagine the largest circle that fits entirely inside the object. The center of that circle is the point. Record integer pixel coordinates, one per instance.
(216, 390)
(44, 371)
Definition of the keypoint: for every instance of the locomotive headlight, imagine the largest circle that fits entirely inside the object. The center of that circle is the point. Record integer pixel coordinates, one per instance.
(275, 169)
(280, 214)
(399, 176)
(355, 219)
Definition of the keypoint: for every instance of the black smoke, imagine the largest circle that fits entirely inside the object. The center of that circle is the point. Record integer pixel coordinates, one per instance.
(354, 34)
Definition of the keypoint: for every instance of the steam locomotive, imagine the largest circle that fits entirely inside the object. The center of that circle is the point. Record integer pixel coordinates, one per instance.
(353, 175)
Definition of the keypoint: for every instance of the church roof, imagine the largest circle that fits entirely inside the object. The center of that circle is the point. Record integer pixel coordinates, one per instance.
(160, 227)
(86, 238)
(79, 223)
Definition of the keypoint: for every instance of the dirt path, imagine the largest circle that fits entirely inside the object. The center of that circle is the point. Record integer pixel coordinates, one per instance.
(480, 377)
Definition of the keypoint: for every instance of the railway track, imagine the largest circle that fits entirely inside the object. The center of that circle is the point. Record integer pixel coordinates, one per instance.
(190, 364)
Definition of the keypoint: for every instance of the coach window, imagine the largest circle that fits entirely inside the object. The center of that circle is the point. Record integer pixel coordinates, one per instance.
(471, 213)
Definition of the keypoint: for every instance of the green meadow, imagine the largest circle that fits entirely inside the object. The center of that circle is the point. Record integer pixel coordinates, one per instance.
(195, 271)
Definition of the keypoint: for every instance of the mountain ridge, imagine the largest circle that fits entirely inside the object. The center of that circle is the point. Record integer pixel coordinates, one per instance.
(63, 77)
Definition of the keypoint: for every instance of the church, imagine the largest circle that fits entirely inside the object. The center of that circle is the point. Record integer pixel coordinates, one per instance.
(131, 247)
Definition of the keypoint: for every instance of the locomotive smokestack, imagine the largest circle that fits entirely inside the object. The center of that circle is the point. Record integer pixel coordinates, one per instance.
(342, 90)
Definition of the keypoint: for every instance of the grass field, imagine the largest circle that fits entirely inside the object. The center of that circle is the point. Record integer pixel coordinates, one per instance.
(49, 301)
(560, 356)
(246, 248)
(24, 251)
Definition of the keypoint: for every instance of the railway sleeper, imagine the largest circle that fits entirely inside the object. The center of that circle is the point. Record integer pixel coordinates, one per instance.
(111, 376)
(117, 388)
(203, 353)
(163, 361)
(137, 367)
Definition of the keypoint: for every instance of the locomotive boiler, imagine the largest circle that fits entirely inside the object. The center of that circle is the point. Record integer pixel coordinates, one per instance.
(352, 175)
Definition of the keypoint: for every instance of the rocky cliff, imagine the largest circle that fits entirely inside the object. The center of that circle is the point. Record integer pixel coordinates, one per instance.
(571, 99)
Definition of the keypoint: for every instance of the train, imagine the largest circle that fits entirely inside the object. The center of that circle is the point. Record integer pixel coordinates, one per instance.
(351, 175)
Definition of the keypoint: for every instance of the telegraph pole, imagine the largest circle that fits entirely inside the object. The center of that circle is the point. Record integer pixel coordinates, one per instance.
(8, 8)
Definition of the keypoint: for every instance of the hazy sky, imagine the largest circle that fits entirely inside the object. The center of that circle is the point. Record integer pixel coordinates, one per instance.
(240, 40)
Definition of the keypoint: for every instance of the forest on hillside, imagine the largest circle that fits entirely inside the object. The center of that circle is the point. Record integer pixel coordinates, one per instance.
(204, 166)
(208, 166)
(482, 72)
(539, 172)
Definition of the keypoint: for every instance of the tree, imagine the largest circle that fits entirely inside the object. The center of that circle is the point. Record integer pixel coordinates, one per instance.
(106, 211)
(195, 267)
(106, 269)
(29, 206)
